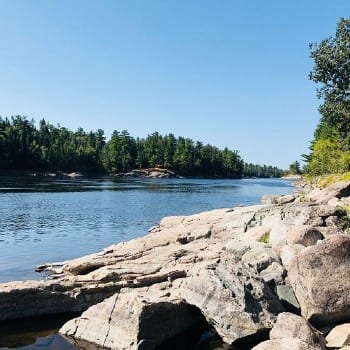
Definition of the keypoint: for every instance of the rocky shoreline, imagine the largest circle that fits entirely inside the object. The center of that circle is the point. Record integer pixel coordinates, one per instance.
(279, 270)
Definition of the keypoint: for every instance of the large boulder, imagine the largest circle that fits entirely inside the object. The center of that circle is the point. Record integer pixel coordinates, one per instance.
(320, 277)
(289, 325)
(133, 319)
(232, 300)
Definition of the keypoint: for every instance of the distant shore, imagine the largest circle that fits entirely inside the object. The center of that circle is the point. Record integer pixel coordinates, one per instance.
(155, 173)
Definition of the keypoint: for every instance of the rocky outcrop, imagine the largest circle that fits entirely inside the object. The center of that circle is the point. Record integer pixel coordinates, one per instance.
(148, 316)
(236, 269)
(320, 277)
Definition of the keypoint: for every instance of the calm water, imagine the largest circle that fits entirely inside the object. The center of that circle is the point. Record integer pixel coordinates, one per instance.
(48, 220)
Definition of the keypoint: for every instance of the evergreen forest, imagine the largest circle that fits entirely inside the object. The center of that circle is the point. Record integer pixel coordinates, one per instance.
(26, 147)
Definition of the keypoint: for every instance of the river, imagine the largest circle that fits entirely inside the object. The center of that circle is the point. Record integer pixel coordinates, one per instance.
(48, 220)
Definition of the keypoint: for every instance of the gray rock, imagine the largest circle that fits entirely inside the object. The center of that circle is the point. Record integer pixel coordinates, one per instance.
(305, 235)
(320, 278)
(234, 302)
(333, 221)
(285, 199)
(38, 298)
(289, 252)
(277, 199)
(274, 273)
(259, 258)
(133, 319)
(289, 325)
(286, 295)
(278, 230)
(301, 214)
(329, 210)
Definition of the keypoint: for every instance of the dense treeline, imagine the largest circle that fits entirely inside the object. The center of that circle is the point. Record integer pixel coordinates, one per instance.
(181, 155)
(23, 146)
(256, 170)
(330, 149)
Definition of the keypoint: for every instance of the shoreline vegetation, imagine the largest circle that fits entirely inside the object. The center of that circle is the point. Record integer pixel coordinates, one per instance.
(49, 148)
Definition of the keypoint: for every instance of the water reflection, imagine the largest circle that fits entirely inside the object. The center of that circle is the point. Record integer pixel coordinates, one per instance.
(35, 333)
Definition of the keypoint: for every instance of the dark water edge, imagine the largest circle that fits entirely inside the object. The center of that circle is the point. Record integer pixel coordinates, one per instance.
(42, 334)
(35, 333)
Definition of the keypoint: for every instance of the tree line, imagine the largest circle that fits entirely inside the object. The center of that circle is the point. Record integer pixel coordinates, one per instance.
(330, 148)
(23, 146)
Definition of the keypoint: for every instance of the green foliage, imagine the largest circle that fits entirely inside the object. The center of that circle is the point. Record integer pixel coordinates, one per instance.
(332, 71)
(330, 149)
(25, 147)
(265, 238)
(324, 181)
(294, 168)
(328, 156)
(255, 170)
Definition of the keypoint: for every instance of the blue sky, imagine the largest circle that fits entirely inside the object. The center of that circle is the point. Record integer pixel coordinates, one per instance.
(226, 72)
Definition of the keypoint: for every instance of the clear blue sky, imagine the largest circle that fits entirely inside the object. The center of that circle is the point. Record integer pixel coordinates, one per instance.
(226, 72)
